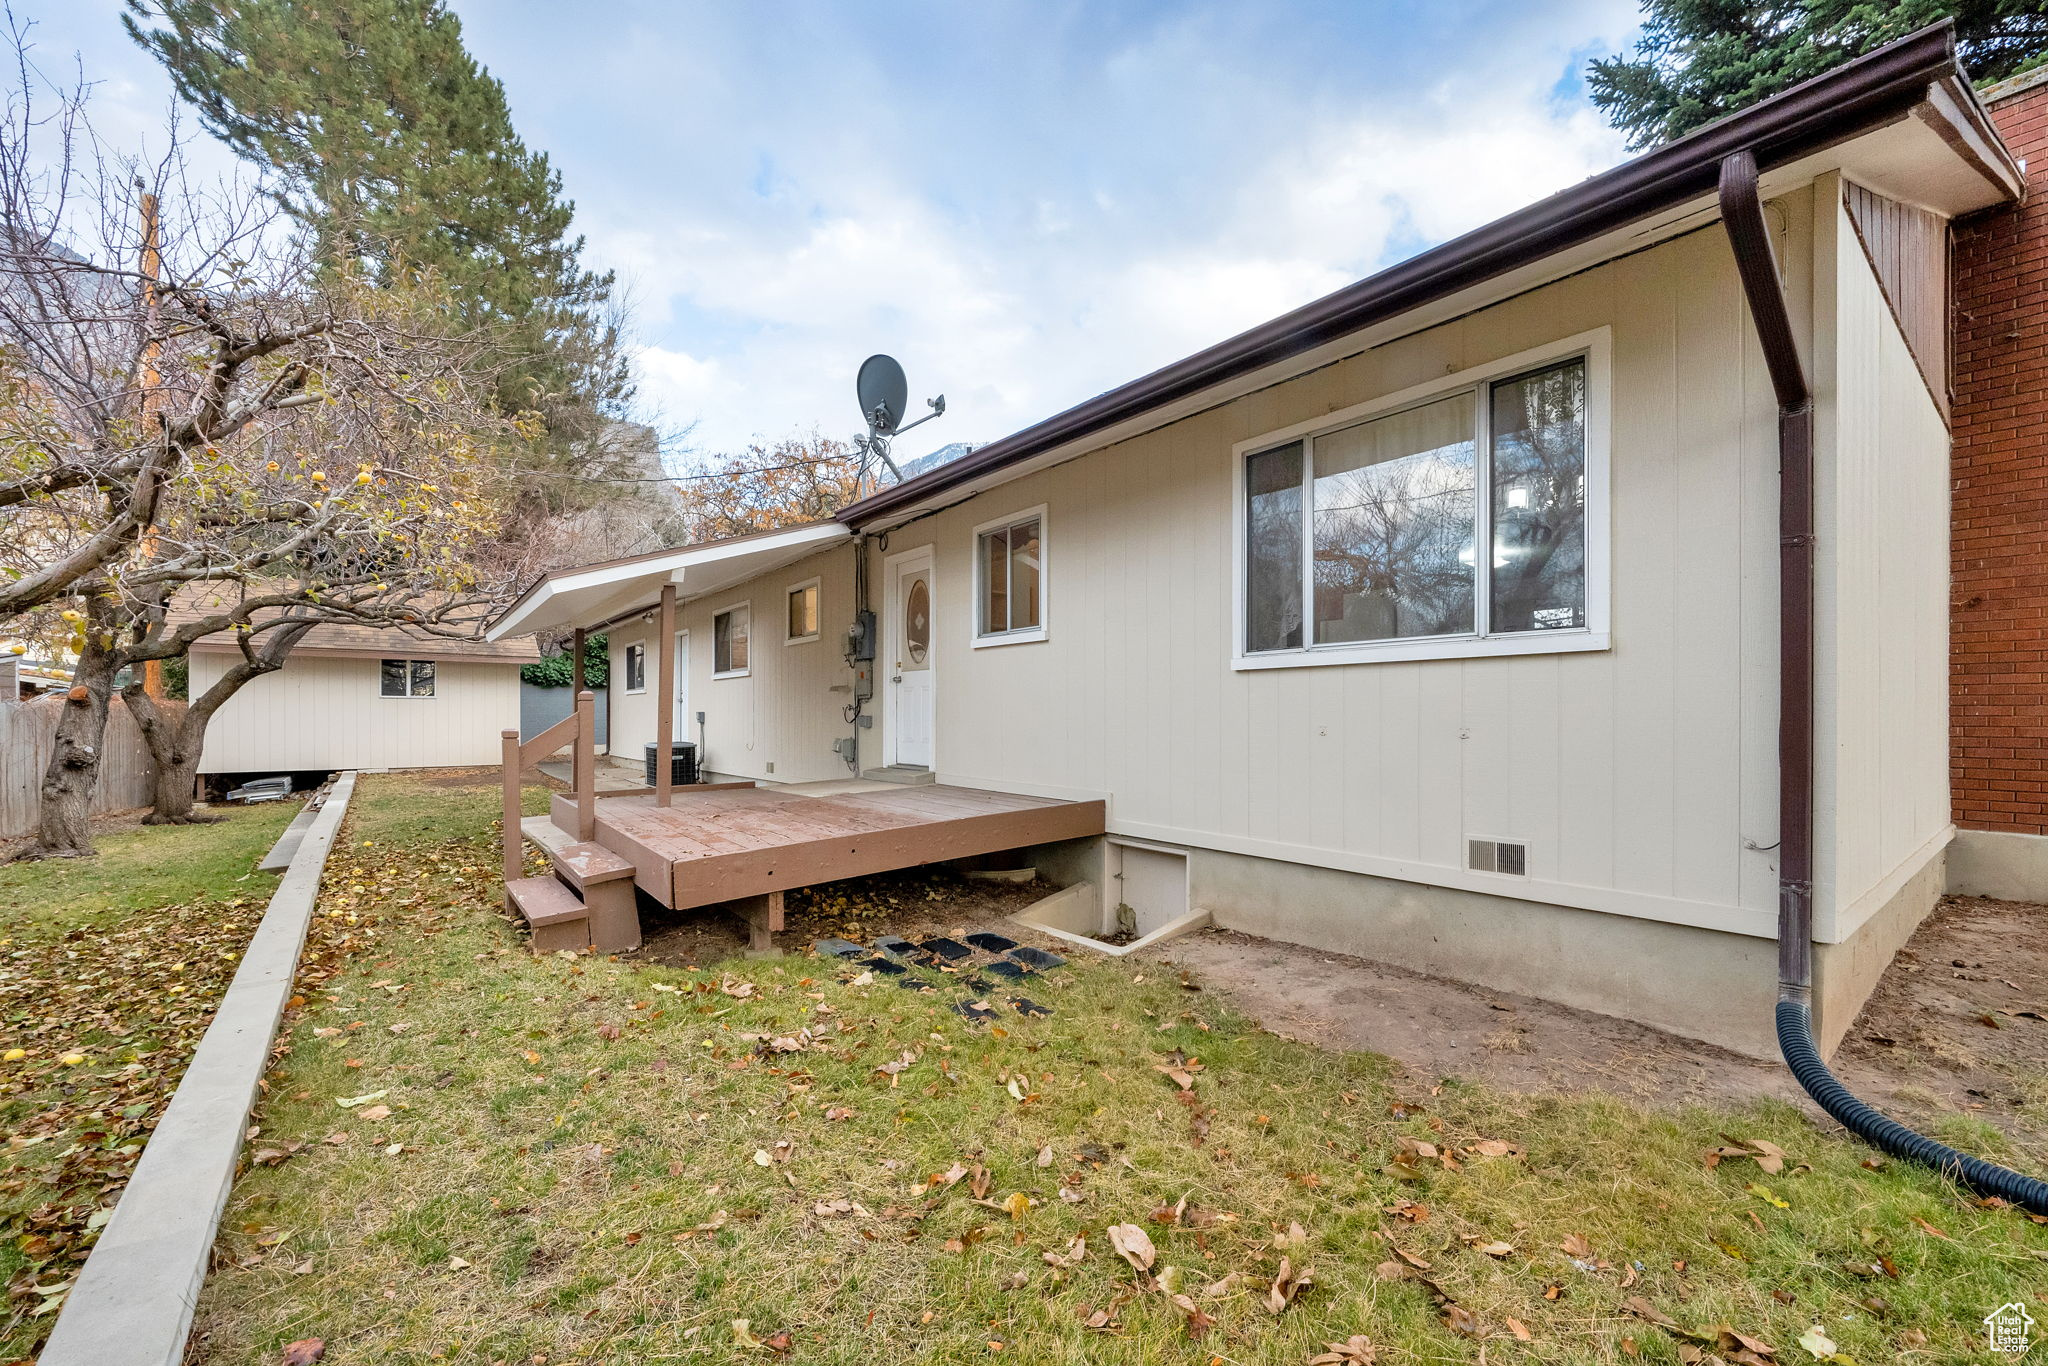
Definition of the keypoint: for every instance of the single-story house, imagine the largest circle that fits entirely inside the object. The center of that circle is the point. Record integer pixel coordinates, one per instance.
(1477, 617)
(363, 697)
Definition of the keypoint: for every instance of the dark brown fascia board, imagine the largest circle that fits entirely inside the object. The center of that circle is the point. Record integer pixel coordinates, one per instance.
(1880, 87)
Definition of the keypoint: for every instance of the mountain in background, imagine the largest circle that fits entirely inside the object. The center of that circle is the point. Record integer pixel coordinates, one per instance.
(943, 455)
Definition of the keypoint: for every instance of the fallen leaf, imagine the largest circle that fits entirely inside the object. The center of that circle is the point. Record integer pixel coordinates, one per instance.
(1198, 1322)
(1518, 1328)
(304, 1352)
(1356, 1350)
(1072, 1257)
(1287, 1284)
(1133, 1245)
(1490, 1246)
(377, 1112)
(1817, 1342)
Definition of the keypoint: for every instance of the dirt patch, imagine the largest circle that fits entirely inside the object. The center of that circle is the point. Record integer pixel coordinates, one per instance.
(912, 902)
(107, 823)
(1957, 1025)
(1437, 1028)
(1959, 1022)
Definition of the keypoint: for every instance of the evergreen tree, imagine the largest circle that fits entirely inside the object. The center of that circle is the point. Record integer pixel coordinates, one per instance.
(1698, 60)
(382, 133)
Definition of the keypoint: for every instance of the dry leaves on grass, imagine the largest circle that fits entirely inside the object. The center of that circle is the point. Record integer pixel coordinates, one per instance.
(1766, 1154)
(1357, 1350)
(104, 1023)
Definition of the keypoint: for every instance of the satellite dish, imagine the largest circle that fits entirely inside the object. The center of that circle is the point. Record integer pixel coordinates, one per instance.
(884, 393)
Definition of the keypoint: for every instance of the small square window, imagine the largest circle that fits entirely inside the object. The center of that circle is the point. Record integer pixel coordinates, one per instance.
(636, 668)
(803, 613)
(405, 678)
(1009, 566)
(729, 642)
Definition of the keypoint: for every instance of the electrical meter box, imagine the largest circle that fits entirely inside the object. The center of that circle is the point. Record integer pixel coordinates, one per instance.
(860, 638)
(864, 679)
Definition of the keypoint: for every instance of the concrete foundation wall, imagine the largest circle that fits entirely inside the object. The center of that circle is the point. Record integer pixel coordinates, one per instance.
(2001, 863)
(1704, 984)
(1846, 973)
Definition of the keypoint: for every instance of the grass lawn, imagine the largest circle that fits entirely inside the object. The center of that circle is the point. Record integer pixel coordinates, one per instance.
(109, 972)
(473, 1155)
(140, 867)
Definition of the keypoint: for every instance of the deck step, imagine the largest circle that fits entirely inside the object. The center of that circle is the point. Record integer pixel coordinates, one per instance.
(901, 773)
(581, 863)
(556, 915)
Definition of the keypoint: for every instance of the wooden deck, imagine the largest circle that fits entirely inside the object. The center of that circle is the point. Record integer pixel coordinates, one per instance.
(728, 844)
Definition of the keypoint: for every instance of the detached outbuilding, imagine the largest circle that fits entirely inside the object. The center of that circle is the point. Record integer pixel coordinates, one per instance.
(365, 698)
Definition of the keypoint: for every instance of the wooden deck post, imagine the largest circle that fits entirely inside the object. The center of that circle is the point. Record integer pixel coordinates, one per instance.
(515, 861)
(583, 766)
(576, 662)
(665, 707)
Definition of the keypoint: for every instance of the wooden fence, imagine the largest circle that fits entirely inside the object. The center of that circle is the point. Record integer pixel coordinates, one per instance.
(28, 732)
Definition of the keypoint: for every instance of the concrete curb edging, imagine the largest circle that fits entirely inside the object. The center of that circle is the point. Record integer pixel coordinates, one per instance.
(133, 1302)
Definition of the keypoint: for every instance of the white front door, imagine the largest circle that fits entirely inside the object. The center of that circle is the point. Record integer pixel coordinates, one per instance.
(909, 662)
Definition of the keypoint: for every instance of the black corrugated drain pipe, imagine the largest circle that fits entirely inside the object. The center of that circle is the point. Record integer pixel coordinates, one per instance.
(1742, 214)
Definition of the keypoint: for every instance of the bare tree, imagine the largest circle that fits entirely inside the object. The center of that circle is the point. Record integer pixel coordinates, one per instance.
(194, 404)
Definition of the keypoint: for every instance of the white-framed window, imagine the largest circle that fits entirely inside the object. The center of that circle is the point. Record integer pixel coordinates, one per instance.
(1463, 518)
(1010, 579)
(405, 678)
(636, 667)
(801, 619)
(729, 642)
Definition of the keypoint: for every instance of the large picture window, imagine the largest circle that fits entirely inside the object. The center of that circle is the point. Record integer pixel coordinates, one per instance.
(1459, 518)
(406, 678)
(729, 643)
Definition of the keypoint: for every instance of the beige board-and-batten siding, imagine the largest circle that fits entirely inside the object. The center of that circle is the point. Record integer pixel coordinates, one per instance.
(778, 721)
(1884, 587)
(1642, 777)
(325, 712)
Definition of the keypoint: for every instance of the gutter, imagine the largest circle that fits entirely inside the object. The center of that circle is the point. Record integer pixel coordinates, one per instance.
(1742, 216)
(1881, 87)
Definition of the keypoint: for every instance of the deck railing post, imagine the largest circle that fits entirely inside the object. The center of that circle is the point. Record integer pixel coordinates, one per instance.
(515, 863)
(665, 708)
(584, 765)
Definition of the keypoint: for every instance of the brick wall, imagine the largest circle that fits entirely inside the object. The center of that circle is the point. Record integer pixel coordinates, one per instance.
(1998, 662)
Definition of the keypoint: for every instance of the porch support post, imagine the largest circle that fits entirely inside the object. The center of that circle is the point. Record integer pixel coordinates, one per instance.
(585, 767)
(515, 853)
(665, 707)
(576, 663)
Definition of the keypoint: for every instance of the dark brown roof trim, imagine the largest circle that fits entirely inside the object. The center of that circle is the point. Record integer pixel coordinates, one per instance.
(1879, 87)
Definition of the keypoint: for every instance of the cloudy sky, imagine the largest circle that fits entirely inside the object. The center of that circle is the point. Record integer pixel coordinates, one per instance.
(1025, 201)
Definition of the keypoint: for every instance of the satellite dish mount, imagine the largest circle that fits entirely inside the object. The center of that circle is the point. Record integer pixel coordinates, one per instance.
(884, 395)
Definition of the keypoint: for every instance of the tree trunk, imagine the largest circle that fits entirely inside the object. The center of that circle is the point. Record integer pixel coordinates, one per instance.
(65, 830)
(175, 744)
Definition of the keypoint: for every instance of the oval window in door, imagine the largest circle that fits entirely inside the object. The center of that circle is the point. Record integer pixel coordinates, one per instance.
(917, 620)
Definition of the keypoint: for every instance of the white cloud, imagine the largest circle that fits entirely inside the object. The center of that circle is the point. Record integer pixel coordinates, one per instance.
(1088, 289)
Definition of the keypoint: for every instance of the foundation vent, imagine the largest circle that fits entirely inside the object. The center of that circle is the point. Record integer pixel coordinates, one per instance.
(1510, 857)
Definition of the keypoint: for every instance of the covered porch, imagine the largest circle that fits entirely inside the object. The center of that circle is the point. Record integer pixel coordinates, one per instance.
(616, 835)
